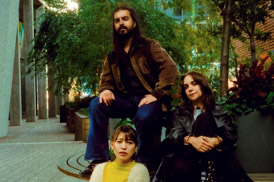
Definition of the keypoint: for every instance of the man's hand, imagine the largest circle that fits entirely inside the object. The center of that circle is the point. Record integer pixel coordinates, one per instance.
(147, 100)
(201, 143)
(106, 97)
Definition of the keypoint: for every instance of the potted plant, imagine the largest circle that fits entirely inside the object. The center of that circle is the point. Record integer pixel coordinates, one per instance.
(253, 90)
(251, 103)
(81, 118)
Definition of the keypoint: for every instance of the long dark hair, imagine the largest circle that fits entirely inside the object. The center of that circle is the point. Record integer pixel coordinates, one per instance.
(117, 43)
(208, 98)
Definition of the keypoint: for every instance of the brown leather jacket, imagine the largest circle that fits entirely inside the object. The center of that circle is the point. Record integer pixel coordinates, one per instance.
(156, 70)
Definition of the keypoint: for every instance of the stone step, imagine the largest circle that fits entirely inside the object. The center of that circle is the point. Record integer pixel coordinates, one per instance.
(262, 177)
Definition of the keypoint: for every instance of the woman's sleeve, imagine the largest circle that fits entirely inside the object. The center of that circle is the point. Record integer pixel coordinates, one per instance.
(139, 173)
(97, 173)
(178, 131)
(226, 130)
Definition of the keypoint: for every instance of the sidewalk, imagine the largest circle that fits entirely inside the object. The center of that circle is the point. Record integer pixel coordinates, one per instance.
(30, 152)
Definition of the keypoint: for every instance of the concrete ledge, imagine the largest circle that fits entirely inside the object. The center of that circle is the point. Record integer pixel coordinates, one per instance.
(261, 177)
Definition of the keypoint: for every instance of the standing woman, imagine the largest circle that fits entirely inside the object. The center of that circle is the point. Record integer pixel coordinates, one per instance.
(201, 143)
(123, 168)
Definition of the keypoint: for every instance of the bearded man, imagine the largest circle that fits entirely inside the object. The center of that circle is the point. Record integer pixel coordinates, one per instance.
(135, 83)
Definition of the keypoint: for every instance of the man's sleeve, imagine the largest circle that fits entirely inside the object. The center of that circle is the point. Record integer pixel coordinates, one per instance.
(166, 68)
(107, 80)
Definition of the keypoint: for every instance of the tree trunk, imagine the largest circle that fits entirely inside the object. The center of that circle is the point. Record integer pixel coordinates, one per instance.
(252, 42)
(225, 48)
(252, 47)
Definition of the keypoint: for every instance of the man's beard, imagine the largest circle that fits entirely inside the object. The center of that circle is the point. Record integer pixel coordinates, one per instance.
(125, 36)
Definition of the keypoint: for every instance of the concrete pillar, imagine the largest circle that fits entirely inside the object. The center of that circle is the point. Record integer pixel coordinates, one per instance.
(30, 90)
(9, 22)
(42, 97)
(51, 91)
(42, 80)
(15, 101)
(23, 88)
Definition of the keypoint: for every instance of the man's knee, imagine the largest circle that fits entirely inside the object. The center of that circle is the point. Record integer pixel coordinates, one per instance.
(95, 105)
(143, 116)
(96, 111)
(149, 112)
(94, 102)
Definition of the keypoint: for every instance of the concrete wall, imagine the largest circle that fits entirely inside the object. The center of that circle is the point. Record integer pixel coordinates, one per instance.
(9, 22)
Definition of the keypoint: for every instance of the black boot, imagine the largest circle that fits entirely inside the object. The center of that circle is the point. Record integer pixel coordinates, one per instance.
(86, 173)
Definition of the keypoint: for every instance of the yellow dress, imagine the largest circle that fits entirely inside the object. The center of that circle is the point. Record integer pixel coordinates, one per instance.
(117, 172)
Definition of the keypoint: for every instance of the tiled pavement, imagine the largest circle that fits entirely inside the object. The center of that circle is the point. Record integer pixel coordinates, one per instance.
(30, 152)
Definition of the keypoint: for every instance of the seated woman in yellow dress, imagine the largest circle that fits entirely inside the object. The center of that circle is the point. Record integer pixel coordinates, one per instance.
(123, 168)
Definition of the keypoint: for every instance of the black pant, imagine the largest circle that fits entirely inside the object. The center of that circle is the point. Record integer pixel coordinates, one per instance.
(204, 125)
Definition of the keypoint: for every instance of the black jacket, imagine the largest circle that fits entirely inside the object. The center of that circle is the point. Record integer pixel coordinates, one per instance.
(182, 121)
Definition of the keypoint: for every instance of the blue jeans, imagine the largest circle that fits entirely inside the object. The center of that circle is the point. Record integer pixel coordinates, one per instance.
(147, 119)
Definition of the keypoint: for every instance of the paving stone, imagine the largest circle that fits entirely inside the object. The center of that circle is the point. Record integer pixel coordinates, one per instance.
(30, 153)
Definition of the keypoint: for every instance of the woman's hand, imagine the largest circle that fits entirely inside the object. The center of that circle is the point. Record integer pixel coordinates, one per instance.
(213, 140)
(202, 143)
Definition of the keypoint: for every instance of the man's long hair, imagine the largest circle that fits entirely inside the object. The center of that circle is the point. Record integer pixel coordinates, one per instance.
(208, 98)
(118, 43)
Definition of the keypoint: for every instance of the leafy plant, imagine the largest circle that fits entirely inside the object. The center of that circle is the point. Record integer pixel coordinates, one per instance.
(125, 121)
(84, 111)
(253, 90)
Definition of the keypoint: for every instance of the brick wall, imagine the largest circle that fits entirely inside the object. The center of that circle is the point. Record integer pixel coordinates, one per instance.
(263, 47)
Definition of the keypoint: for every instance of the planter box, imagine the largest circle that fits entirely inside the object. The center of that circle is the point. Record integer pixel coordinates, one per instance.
(63, 114)
(81, 127)
(70, 120)
(255, 146)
